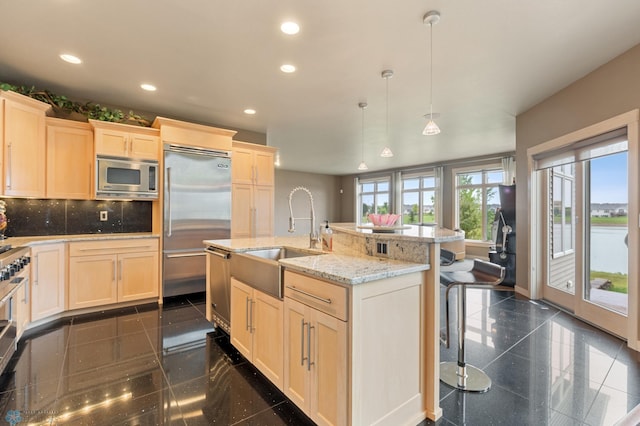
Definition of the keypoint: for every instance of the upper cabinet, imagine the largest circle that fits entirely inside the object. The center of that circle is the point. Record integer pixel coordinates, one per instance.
(70, 160)
(123, 140)
(190, 134)
(23, 139)
(252, 164)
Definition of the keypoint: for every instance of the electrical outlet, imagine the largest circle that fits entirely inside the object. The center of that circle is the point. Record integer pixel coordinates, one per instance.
(381, 248)
(104, 216)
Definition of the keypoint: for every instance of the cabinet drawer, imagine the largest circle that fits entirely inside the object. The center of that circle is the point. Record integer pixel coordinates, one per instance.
(89, 248)
(329, 298)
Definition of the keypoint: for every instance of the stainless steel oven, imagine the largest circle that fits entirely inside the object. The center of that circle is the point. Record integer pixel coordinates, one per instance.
(14, 273)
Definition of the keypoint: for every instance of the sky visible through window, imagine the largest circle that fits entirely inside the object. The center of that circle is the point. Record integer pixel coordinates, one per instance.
(606, 178)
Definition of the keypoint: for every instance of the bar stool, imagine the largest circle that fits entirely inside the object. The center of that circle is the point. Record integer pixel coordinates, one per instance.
(485, 275)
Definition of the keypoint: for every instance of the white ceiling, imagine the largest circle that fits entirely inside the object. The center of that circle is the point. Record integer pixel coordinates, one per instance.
(211, 59)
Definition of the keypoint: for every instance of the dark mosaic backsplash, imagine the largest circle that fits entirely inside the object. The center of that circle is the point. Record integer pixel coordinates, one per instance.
(27, 217)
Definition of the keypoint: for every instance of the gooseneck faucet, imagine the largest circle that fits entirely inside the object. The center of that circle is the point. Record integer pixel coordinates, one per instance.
(314, 238)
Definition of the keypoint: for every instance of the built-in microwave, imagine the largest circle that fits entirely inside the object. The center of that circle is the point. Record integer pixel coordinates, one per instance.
(118, 177)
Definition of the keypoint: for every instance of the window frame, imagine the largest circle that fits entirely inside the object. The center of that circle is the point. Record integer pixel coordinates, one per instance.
(388, 179)
(420, 190)
(485, 170)
(564, 178)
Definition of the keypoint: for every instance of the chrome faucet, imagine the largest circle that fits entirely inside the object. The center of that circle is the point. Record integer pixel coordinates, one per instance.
(314, 238)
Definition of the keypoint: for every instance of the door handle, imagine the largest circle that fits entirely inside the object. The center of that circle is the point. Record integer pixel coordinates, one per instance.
(246, 313)
(309, 362)
(169, 200)
(302, 357)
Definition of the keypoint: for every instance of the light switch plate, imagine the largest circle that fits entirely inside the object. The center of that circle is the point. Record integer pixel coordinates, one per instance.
(104, 216)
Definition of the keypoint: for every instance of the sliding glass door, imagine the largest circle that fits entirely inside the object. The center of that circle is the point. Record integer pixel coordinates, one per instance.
(586, 218)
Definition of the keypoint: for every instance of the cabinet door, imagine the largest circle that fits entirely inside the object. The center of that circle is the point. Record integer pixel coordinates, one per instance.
(264, 172)
(242, 212)
(22, 304)
(242, 170)
(329, 353)
(263, 211)
(241, 300)
(24, 150)
(47, 280)
(69, 162)
(296, 377)
(137, 276)
(111, 142)
(92, 281)
(144, 146)
(268, 345)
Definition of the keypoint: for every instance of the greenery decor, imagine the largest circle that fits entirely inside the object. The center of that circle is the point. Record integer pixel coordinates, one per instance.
(63, 105)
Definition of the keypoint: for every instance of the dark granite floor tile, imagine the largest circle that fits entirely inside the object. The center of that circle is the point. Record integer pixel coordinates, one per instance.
(566, 331)
(624, 376)
(120, 408)
(499, 407)
(610, 406)
(282, 414)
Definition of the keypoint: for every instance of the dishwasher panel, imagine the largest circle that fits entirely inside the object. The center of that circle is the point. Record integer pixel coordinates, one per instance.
(219, 287)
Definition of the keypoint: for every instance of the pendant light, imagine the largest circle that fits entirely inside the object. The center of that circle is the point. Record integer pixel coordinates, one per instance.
(363, 165)
(431, 18)
(386, 152)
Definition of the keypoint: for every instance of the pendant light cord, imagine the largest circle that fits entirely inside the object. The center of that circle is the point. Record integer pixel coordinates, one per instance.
(362, 133)
(431, 71)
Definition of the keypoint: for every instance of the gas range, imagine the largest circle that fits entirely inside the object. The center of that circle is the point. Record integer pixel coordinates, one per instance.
(12, 262)
(14, 272)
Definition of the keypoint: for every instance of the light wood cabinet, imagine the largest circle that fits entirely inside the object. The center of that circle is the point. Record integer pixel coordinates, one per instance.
(122, 140)
(23, 309)
(252, 164)
(252, 194)
(47, 280)
(316, 351)
(23, 135)
(256, 329)
(111, 271)
(70, 160)
(252, 211)
(357, 354)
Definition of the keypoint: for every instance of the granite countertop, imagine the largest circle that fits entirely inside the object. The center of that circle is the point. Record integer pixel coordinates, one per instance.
(50, 239)
(423, 233)
(347, 269)
(340, 268)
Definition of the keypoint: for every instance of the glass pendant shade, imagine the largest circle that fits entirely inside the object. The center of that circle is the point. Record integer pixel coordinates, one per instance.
(431, 128)
(362, 166)
(386, 153)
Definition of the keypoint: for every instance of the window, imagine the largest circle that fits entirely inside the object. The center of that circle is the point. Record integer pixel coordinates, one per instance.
(477, 199)
(420, 198)
(374, 195)
(562, 209)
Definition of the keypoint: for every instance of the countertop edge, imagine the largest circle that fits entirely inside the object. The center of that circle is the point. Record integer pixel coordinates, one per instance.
(52, 239)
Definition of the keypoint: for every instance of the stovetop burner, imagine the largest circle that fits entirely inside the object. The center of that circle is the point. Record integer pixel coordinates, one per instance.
(5, 247)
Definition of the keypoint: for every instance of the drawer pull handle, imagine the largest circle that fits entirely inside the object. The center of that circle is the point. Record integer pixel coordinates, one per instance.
(322, 299)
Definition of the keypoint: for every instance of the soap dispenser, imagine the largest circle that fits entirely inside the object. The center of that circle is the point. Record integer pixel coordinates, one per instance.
(326, 234)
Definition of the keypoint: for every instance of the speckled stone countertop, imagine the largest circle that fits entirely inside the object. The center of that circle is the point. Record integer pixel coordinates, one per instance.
(50, 239)
(426, 233)
(348, 269)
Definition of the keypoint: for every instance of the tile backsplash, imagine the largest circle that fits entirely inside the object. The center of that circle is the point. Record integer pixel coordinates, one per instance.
(31, 217)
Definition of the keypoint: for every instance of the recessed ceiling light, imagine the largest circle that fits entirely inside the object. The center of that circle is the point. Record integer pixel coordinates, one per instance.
(250, 111)
(70, 58)
(290, 28)
(148, 87)
(288, 68)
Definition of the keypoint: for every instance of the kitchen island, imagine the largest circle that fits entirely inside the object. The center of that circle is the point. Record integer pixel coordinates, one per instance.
(360, 325)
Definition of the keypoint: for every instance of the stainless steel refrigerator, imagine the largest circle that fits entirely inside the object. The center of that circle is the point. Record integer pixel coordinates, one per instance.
(197, 206)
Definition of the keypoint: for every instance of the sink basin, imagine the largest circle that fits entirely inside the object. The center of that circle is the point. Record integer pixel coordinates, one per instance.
(281, 253)
(260, 268)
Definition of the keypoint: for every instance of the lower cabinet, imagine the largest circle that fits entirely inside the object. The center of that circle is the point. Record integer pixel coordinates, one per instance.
(111, 271)
(316, 351)
(23, 308)
(47, 280)
(256, 329)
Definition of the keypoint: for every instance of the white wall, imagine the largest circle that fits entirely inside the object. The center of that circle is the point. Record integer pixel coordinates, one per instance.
(326, 200)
